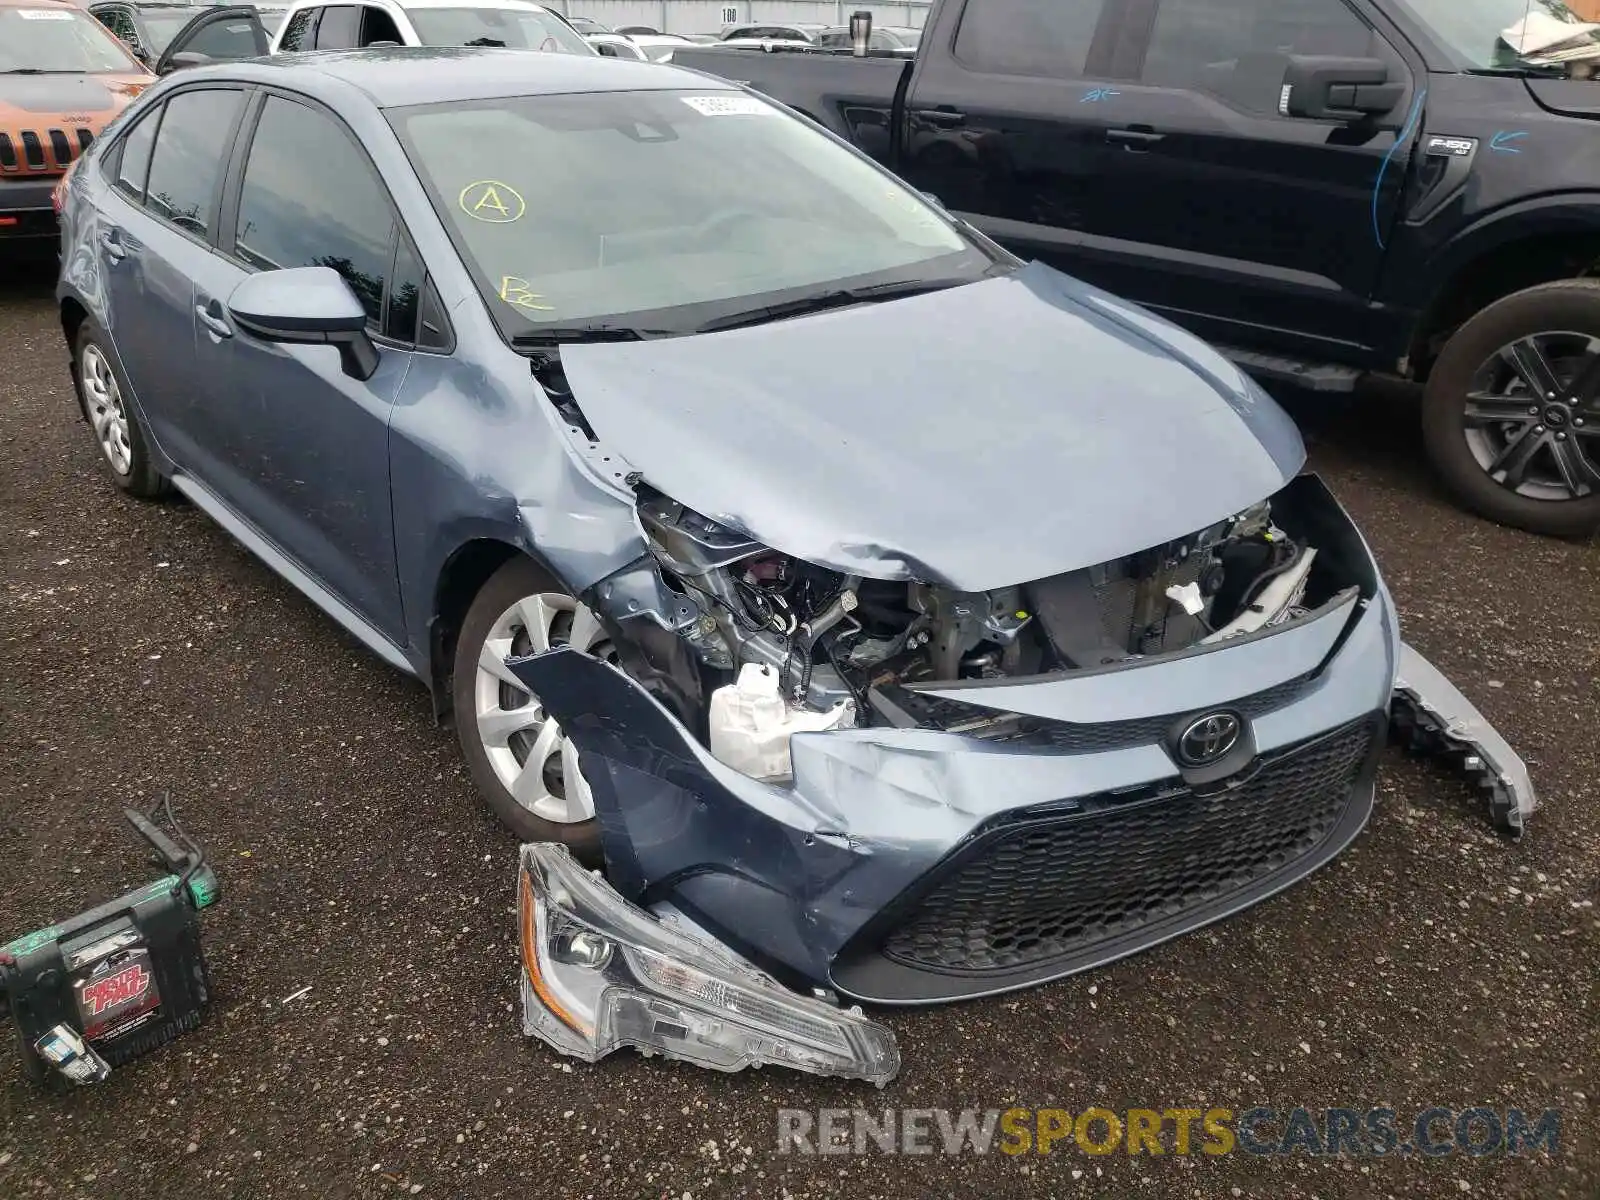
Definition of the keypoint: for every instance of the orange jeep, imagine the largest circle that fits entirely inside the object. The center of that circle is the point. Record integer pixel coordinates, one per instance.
(63, 76)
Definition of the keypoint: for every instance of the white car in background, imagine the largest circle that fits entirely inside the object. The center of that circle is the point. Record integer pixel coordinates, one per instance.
(317, 25)
(803, 32)
(646, 47)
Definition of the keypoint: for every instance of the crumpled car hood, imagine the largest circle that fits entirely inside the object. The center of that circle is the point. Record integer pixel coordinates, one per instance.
(977, 437)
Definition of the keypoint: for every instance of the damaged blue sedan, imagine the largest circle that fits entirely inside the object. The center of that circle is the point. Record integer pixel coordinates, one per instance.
(895, 622)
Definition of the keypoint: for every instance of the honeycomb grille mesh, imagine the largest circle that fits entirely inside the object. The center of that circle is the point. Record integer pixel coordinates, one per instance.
(1051, 889)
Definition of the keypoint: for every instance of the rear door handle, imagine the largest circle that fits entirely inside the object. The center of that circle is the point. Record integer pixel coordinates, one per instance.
(111, 243)
(944, 118)
(1137, 138)
(213, 321)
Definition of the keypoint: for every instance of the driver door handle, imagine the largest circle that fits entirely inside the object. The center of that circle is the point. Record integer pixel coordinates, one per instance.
(111, 243)
(1135, 137)
(213, 321)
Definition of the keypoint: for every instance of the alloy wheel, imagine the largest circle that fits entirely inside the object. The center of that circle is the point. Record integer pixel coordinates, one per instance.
(103, 402)
(1532, 416)
(530, 756)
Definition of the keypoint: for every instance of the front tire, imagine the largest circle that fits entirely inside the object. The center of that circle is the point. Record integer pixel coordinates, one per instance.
(103, 397)
(1511, 414)
(525, 768)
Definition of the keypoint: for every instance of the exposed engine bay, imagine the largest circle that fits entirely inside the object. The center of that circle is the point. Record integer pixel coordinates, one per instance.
(805, 646)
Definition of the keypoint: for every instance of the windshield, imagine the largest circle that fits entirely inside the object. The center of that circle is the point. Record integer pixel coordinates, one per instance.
(58, 41)
(519, 28)
(664, 210)
(1474, 28)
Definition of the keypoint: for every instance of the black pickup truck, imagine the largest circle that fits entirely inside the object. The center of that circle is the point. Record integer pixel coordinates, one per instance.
(1322, 188)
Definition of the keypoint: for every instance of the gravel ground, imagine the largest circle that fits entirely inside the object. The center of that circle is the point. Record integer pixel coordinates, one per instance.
(141, 650)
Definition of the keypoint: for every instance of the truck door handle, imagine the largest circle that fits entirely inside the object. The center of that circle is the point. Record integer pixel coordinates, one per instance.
(944, 118)
(213, 321)
(111, 243)
(1137, 138)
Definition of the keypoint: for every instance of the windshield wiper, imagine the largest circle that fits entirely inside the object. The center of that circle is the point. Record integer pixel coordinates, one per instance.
(570, 335)
(485, 41)
(1525, 70)
(832, 298)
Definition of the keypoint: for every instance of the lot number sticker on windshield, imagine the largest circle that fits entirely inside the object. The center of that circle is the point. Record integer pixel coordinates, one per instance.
(43, 14)
(729, 106)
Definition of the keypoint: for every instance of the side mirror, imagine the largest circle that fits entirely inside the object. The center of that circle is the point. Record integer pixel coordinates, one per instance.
(1337, 89)
(182, 59)
(307, 306)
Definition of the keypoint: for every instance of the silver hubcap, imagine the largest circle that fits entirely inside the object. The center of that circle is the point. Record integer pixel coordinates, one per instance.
(106, 414)
(531, 757)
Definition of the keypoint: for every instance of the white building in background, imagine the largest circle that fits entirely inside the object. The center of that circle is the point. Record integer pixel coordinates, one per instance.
(712, 16)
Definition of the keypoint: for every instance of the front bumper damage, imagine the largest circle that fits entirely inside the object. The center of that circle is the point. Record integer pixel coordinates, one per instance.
(1429, 715)
(599, 973)
(913, 866)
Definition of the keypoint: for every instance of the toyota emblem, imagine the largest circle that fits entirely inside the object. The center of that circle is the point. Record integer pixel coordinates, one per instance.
(1206, 739)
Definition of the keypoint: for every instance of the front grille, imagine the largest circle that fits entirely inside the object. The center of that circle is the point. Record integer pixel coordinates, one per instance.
(46, 151)
(1050, 889)
(957, 716)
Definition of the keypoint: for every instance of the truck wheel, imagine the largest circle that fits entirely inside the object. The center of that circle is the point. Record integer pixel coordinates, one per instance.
(524, 766)
(1511, 414)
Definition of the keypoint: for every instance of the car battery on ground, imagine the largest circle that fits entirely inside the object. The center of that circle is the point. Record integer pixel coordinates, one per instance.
(91, 993)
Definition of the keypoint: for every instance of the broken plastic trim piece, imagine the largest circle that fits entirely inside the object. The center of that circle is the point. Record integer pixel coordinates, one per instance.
(1431, 716)
(599, 973)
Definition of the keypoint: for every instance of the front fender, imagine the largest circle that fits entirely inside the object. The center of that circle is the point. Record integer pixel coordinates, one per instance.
(1561, 214)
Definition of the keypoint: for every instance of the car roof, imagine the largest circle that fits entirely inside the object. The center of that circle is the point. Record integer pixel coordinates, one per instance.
(398, 76)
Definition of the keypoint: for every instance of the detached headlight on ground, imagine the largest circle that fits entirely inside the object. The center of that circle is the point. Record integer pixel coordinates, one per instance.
(599, 973)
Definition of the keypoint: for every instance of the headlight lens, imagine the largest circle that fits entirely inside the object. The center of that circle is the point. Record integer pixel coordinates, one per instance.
(599, 973)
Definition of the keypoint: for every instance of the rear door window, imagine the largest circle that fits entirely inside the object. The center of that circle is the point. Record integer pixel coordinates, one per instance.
(297, 31)
(340, 27)
(378, 26)
(1047, 39)
(133, 163)
(120, 22)
(190, 149)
